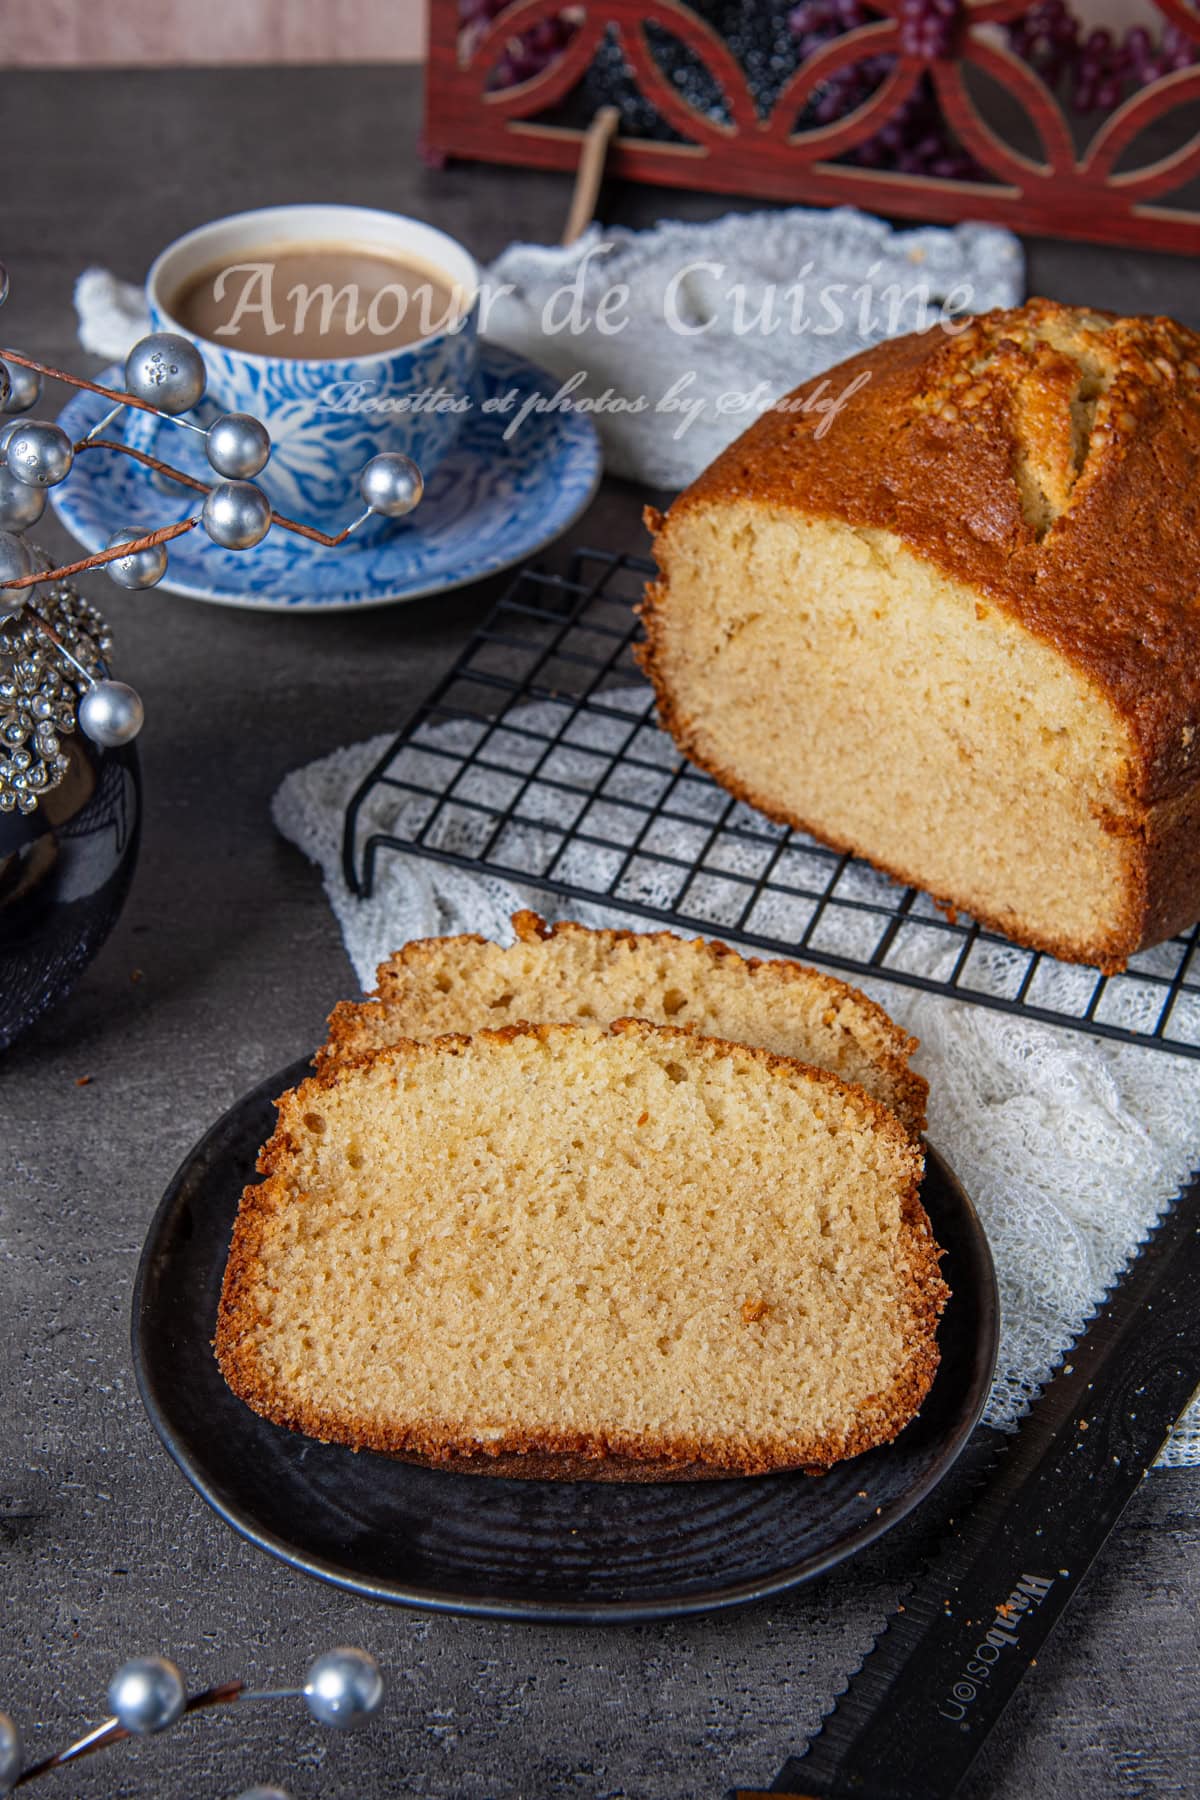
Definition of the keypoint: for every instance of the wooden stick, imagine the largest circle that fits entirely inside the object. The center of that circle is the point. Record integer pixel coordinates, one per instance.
(592, 157)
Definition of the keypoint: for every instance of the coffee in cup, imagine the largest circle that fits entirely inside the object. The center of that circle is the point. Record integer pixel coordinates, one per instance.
(318, 300)
(329, 408)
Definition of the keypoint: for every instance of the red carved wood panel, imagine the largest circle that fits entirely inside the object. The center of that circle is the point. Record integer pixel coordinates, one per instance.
(1065, 190)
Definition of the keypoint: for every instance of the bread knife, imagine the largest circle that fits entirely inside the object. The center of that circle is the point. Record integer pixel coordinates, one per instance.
(916, 1713)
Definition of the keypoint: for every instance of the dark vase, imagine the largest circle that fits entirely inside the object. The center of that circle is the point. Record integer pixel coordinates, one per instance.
(64, 873)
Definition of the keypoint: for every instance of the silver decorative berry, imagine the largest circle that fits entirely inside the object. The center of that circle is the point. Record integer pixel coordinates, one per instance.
(20, 505)
(238, 446)
(391, 484)
(141, 569)
(24, 386)
(167, 371)
(147, 1694)
(39, 453)
(10, 1752)
(237, 515)
(342, 1687)
(111, 714)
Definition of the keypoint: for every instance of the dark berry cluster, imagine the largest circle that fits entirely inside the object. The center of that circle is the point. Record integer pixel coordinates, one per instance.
(1106, 65)
(1097, 67)
(915, 140)
(526, 53)
(815, 23)
(928, 28)
(1047, 38)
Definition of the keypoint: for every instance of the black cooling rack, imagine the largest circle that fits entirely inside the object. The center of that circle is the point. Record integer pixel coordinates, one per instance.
(537, 759)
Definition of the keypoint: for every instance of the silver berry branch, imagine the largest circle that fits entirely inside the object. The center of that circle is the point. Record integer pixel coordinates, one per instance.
(147, 1695)
(165, 375)
(40, 683)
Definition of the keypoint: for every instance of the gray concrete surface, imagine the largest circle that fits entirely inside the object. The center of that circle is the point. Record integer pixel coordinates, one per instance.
(106, 1551)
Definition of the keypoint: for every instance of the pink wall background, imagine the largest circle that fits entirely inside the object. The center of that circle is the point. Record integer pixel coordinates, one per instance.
(123, 33)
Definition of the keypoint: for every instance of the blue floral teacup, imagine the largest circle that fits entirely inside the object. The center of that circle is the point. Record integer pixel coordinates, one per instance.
(329, 416)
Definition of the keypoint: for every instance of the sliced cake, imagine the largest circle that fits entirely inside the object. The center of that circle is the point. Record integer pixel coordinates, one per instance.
(612, 1253)
(569, 973)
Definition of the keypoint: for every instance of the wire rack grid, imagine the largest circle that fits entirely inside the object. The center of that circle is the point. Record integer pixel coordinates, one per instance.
(537, 759)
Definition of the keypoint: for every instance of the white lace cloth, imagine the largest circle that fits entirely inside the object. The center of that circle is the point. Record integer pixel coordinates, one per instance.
(1069, 1146)
(738, 310)
(112, 314)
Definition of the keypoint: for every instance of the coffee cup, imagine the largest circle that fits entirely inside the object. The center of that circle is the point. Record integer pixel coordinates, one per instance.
(327, 414)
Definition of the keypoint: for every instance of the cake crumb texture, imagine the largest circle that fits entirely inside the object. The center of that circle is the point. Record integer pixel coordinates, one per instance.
(609, 1251)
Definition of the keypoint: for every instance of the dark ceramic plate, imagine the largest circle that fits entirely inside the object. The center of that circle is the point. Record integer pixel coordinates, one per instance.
(519, 1549)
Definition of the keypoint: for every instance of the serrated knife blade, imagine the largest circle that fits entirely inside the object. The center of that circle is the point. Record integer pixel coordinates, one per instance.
(916, 1713)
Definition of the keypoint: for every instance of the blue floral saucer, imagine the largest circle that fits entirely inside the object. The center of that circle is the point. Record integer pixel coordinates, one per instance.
(489, 504)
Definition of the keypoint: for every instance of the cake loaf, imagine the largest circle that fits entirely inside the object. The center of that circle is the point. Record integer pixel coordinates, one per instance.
(954, 627)
(611, 1253)
(567, 973)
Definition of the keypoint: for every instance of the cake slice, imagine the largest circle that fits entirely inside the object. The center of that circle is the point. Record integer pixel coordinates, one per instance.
(952, 626)
(568, 973)
(626, 1253)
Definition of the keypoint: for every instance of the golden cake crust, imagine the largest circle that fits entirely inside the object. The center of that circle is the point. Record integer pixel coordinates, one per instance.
(575, 1455)
(1049, 458)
